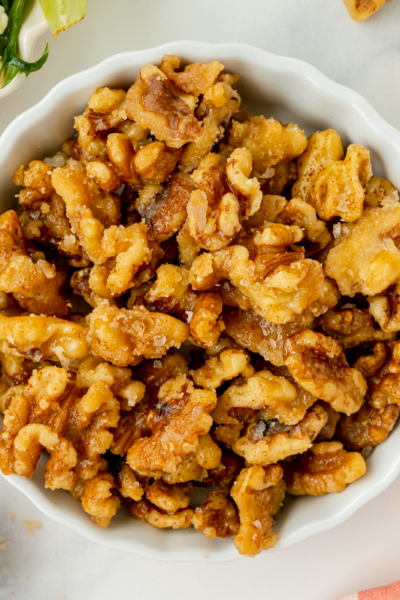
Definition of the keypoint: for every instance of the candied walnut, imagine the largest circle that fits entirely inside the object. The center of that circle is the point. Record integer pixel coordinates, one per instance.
(258, 335)
(298, 212)
(128, 391)
(124, 337)
(105, 174)
(188, 248)
(257, 493)
(271, 206)
(338, 191)
(153, 374)
(238, 169)
(274, 395)
(372, 363)
(164, 207)
(205, 324)
(278, 296)
(385, 308)
(368, 427)
(7, 393)
(80, 284)
(226, 472)
(98, 499)
(122, 156)
(208, 453)
(154, 103)
(40, 338)
(89, 209)
(127, 484)
(169, 498)
(217, 516)
(145, 511)
(195, 78)
(269, 143)
(366, 259)
(360, 10)
(328, 431)
(155, 161)
(213, 210)
(353, 327)
(378, 191)
(187, 470)
(131, 427)
(266, 442)
(318, 364)
(181, 415)
(326, 468)
(216, 109)
(323, 149)
(384, 387)
(129, 251)
(36, 286)
(228, 364)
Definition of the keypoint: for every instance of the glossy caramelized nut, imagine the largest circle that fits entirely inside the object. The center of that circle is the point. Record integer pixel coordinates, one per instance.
(368, 427)
(181, 415)
(318, 364)
(258, 493)
(326, 468)
(217, 516)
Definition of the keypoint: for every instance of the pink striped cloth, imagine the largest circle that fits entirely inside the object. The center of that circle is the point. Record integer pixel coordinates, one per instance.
(388, 592)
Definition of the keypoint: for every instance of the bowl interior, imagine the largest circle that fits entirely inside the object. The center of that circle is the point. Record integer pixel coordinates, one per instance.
(286, 89)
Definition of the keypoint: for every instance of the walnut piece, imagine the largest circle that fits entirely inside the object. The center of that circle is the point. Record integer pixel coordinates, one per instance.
(318, 364)
(217, 516)
(326, 468)
(257, 492)
(98, 499)
(181, 415)
(368, 427)
(353, 327)
(360, 10)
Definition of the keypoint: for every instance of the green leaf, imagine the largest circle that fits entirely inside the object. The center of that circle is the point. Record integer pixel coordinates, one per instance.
(12, 64)
(61, 14)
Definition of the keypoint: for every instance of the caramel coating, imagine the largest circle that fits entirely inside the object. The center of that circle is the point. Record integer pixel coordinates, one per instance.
(157, 105)
(124, 337)
(361, 10)
(267, 442)
(181, 415)
(326, 468)
(217, 516)
(353, 327)
(145, 511)
(366, 259)
(385, 308)
(318, 364)
(36, 286)
(98, 500)
(368, 427)
(218, 369)
(257, 492)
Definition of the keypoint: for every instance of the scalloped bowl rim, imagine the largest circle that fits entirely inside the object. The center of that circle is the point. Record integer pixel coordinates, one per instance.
(300, 88)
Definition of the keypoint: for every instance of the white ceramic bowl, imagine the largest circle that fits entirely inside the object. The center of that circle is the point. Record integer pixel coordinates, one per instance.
(287, 89)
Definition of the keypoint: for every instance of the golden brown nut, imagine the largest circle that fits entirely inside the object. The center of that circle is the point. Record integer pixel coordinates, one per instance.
(145, 511)
(180, 417)
(378, 191)
(353, 327)
(98, 499)
(257, 492)
(258, 335)
(323, 149)
(187, 470)
(217, 516)
(269, 143)
(122, 157)
(298, 212)
(155, 161)
(153, 103)
(326, 468)
(385, 308)
(218, 369)
(131, 427)
(43, 338)
(205, 324)
(318, 364)
(216, 109)
(127, 483)
(79, 282)
(338, 191)
(368, 427)
(37, 286)
(370, 364)
(123, 337)
(169, 498)
(329, 430)
(267, 442)
(188, 248)
(164, 207)
(196, 78)
(384, 387)
(279, 296)
(208, 453)
(89, 209)
(366, 259)
(360, 10)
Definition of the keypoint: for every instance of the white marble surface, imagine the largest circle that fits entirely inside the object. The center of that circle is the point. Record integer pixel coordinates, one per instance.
(55, 563)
